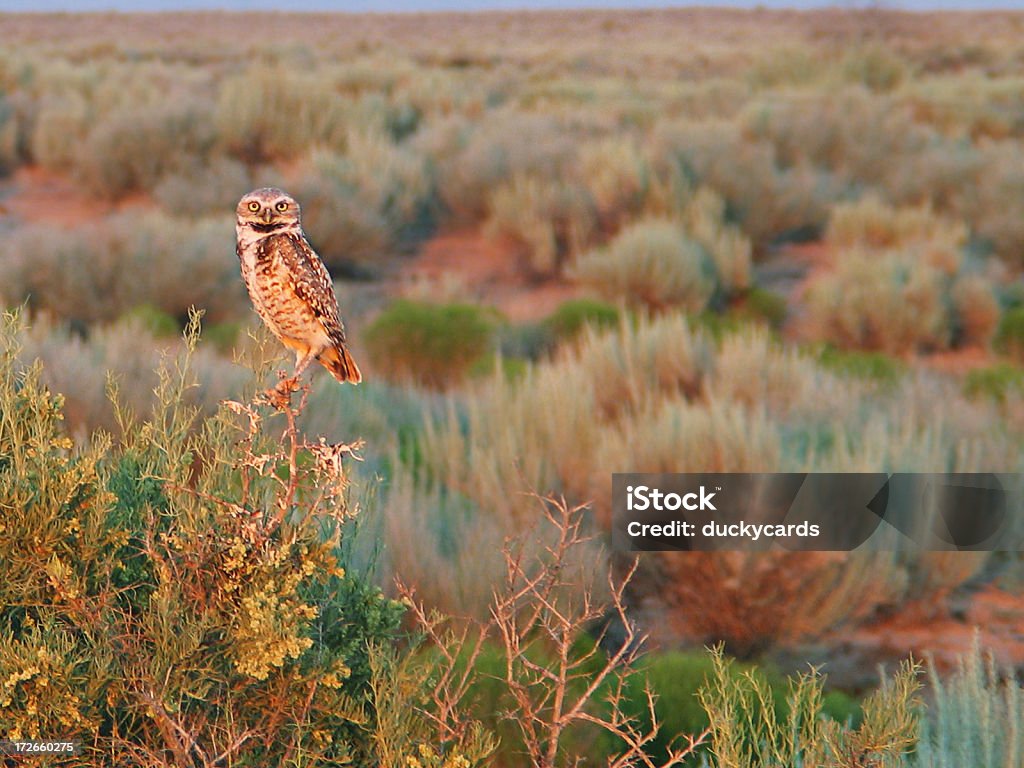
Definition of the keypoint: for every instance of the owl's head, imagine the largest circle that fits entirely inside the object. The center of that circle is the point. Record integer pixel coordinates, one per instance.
(268, 210)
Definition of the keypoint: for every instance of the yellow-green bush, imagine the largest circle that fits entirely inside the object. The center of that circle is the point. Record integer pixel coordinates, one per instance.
(172, 596)
(434, 345)
(1010, 333)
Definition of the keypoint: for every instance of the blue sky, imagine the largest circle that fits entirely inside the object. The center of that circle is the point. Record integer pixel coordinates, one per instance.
(447, 5)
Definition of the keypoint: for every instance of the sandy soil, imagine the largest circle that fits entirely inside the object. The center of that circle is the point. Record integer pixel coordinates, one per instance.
(481, 269)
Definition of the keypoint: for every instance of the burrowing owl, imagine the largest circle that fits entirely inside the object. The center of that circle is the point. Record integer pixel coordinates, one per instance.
(289, 285)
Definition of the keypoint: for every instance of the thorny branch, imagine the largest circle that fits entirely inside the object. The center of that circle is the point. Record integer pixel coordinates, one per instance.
(539, 605)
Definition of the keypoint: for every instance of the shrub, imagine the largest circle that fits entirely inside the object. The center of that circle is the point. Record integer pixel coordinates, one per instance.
(61, 124)
(154, 321)
(434, 345)
(874, 366)
(99, 271)
(9, 155)
(976, 311)
(563, 697)
(168, 609)
(798, 735)
(900, 282)
(995, 382)
(618, 179)
(975, 719)
(203, 188)
(704, 220)
(875, 67)
(357, 205)
(891, 302)
(274, 113)
(122, 357)
(548, 220)
(651, 263)
(872, 223)
(1009, 338)
(769, 202)
(763, 306)
(471, 160)
(677, 677)
(132, 150)
(572, 316)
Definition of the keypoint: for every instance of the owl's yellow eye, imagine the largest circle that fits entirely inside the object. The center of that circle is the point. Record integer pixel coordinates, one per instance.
(254, 206)
(282, 206)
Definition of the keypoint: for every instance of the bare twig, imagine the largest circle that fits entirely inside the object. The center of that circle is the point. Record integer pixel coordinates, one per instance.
(540, 605)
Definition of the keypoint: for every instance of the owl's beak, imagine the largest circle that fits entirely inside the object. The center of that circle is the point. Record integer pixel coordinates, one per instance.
(267, 215)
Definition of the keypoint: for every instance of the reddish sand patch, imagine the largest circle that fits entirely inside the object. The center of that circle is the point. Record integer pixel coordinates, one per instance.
(956, 362)
(37, 196)
(995, 615)
(483, 270)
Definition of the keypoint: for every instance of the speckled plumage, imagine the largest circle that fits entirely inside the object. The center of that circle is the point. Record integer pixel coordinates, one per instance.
(289, 285)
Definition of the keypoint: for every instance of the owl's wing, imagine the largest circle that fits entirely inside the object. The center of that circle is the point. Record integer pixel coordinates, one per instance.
(311, 281)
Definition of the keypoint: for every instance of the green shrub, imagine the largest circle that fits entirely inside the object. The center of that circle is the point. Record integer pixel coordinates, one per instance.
(797, 734)
(434, 345)
(1009, 338)
(155, 321)
(573, 316)
(528, 341)
(652, 264)
(676, 678)
(874, 366)
(995, 382)
(222, 335)
(159, 609)
(762, 305)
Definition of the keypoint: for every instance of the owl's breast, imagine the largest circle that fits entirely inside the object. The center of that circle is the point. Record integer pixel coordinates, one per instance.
(274, 297)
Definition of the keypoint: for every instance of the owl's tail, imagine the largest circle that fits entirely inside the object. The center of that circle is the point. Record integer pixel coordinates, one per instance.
(338, 360)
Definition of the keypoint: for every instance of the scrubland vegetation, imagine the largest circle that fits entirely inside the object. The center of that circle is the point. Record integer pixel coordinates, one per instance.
(785, 241)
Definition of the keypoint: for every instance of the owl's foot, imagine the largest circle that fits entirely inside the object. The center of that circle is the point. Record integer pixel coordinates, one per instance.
(280, 396)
